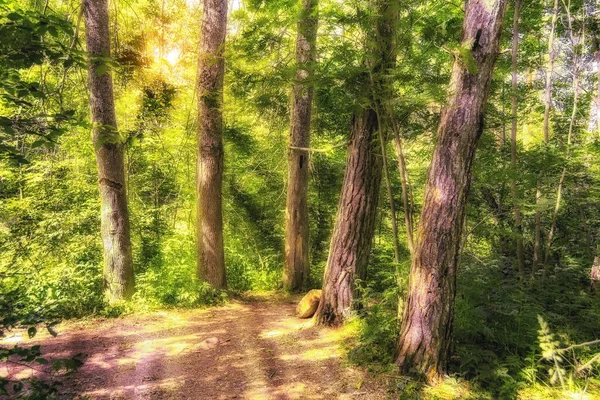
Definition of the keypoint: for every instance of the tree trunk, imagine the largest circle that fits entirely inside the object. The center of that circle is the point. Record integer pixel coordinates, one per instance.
(296, 274)
(211, 70)
(597, 55)
(549, 73)
(561, 181)
(537, 241)
(355, 221)
(426, 329)
(547, 107)
(118, 264)
(513, 145)
(405, 188)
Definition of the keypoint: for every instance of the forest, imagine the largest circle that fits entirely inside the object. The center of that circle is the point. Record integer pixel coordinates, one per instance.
(300, 199)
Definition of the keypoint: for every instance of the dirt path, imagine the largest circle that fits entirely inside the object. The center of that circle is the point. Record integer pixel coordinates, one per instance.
(244, 350)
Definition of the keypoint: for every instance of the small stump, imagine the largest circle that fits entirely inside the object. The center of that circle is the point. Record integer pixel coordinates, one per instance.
(309, 304)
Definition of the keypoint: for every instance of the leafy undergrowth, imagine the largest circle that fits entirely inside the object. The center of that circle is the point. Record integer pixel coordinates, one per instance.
(535, 340)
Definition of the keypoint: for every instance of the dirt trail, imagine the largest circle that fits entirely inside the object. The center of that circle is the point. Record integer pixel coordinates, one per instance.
(243, 350)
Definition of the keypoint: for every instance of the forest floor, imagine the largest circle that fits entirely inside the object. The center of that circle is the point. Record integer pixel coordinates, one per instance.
(253, 348)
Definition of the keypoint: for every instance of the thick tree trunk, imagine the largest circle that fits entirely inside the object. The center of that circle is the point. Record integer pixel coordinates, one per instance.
(296, 274)
(426, 329)
(118, 264)
(355, 221)
(549, 73)
(513, 145)
(211, 70)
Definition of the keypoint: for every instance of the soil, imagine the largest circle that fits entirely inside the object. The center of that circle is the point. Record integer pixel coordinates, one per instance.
(251, 349)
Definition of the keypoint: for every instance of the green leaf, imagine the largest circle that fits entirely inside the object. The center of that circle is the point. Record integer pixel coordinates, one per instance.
(31, 331)
(13, 16)
(101, 69)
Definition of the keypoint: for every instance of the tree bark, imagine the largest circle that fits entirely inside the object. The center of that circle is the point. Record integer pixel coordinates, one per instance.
(513, 145)
(118, 264)
(296, 274)
(211, 71)
(355, 221)
(426, 329)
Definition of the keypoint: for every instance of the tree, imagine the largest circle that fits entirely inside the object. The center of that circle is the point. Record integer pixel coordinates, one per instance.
(296, 274)
(549, 73)
(537, 243)
(426, 329)
(513, 143)
(118, 263)
(211, 71)
(355, 221)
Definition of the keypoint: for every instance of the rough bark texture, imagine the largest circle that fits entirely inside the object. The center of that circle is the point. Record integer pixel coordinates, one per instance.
(355, 221)
(211, 68)
(513, 145)
(426, 329)
(118, 265)
(296, 273)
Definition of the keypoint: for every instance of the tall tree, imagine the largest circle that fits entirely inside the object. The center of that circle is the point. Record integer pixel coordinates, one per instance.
(355, 221)
(550, 72)
(577, 44)
(118, 263)
(513, 143)
(211, 71)
(537, 243)
(297, 269)
(426, 329)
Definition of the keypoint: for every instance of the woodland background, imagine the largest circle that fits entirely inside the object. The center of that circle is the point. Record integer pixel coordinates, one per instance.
(508, 331)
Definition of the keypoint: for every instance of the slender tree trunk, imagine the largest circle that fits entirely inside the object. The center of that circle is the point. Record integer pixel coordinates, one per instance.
(357, 209)
(408, 221)
(388, 184)
(381, 125)
(513, 144)
(561, 181)
(426, 329)
(118, 265)
(549, 73)
(296, 274)
(598, 92)
(211, 70)
(537, 241)
(547, 107)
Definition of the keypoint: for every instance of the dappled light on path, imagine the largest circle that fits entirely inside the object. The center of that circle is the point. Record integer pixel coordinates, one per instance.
(249, 350)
